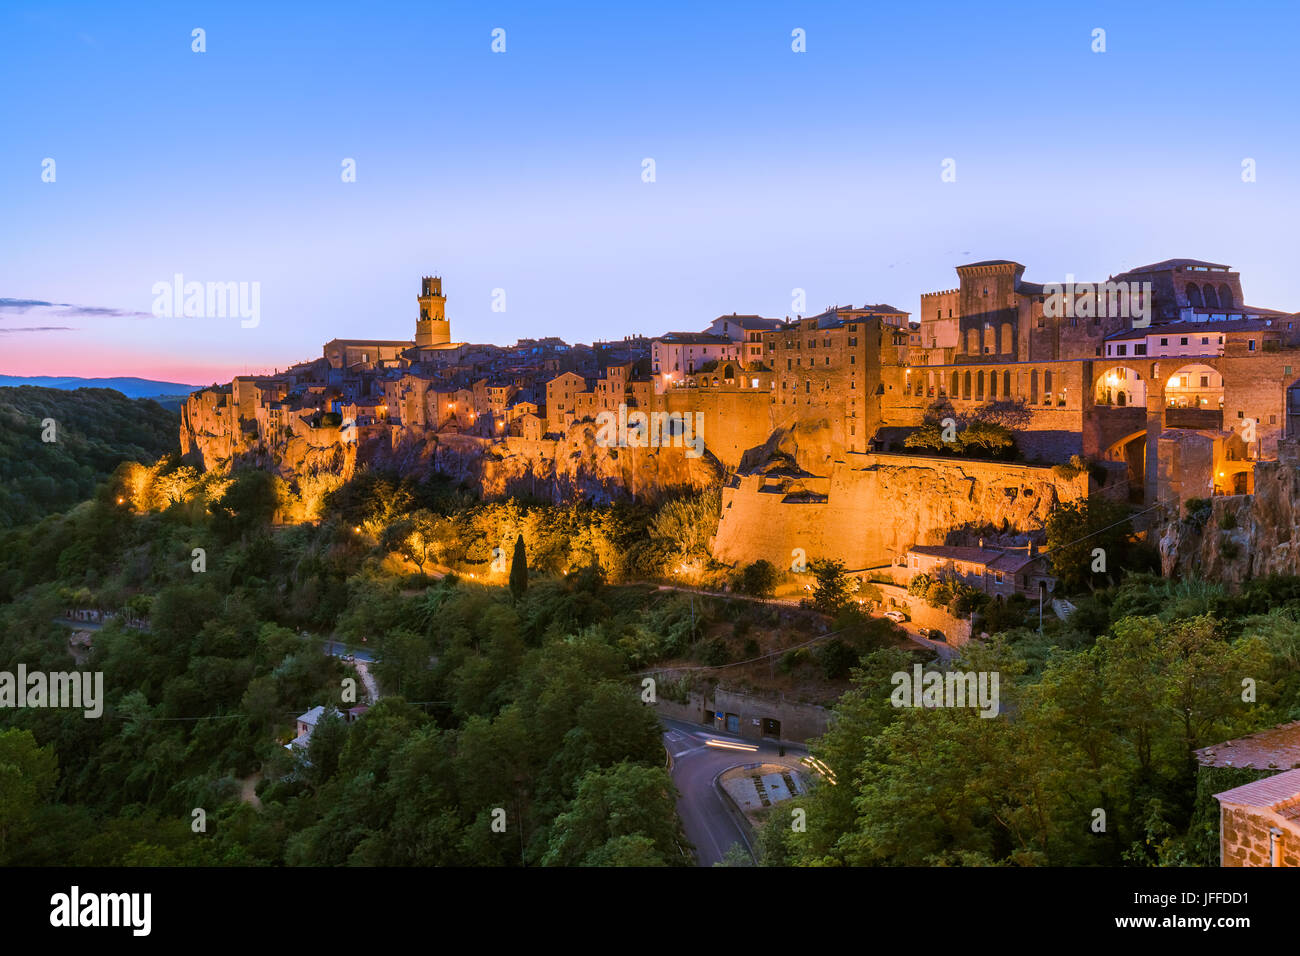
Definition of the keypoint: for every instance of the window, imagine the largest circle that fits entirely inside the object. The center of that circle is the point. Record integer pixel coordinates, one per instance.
(1123, 350)
(1140, 349)
(1205, 381)
(1251, 347)
(853, 360)
(1205, 340)
(1164, 341)
(1183, 340)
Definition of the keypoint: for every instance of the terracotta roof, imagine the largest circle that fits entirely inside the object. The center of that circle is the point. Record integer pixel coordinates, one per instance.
(958, 553)
(1276, 748)
(1278, 792)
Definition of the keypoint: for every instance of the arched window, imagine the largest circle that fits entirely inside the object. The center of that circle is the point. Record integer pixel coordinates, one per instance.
(1194, 295)
(1006, 384)
(1225, 297)
(956, 387)
(993, 384)
(1007, 346)
(972, 341)
(1211, 300)
(1047, 387)
(965, 393)
(979, 385)
(1033, 386)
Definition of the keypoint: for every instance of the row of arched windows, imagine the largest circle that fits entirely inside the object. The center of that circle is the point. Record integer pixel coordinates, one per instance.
(980, 385)
(1205, 297)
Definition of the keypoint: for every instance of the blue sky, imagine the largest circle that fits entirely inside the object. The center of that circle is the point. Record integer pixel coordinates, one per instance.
(521, 171)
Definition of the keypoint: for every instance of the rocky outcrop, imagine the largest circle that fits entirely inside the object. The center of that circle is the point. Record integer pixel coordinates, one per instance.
(1233, 538)
(871, 508)
(575, 467)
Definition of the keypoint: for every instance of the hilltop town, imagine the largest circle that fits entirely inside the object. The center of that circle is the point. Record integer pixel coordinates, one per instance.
(1156, 385)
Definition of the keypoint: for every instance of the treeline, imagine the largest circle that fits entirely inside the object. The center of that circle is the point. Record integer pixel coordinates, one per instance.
(511, 730)
(1091, 761)
(93, 431)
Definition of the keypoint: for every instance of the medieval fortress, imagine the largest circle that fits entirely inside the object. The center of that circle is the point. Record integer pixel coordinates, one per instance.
(1160, 378)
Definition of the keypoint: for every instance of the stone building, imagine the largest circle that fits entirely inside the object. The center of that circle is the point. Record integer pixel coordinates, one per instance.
(1259, 822)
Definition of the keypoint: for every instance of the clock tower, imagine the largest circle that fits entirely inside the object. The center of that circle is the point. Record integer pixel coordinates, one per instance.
(432, 328)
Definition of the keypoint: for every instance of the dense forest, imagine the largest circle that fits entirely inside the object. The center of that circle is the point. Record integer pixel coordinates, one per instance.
(1104, 711)
(44, 469)
(510, 729)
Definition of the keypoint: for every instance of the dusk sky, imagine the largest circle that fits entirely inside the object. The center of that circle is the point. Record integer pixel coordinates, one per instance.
(522, 170)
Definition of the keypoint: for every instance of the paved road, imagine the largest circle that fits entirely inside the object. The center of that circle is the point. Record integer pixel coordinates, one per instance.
(339, 649)
(708, 824)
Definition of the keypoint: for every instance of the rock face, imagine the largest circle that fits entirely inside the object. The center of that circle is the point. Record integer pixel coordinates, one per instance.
(572, 468)
(871, 508)
(1240, 536)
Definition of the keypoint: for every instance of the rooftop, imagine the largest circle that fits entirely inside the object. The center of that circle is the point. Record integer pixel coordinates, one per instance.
(1275, 748)
(1169, 265)
(1193, 328)
(694, 338)
(1279, 792)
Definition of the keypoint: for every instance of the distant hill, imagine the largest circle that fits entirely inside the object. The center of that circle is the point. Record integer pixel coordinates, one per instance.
(96, 429)
(130, 387)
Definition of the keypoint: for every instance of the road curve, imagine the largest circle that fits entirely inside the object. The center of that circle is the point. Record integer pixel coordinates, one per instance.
(709, 826)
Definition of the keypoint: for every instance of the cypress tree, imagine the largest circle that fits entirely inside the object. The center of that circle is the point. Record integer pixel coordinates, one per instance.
(519, 569)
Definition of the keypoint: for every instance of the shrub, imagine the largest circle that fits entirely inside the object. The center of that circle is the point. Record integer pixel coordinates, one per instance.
(758, 579)
(714, 653)
(836, 659)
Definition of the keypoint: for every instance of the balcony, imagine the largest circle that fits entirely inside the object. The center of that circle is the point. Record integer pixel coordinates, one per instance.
(1207, 418)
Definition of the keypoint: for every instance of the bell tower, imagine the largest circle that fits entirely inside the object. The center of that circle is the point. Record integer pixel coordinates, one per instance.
(432, 327)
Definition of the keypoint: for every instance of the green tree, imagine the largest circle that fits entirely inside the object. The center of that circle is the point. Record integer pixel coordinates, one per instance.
(27, 775)
(758, 579)
(831, 592)
(1076, 529)
(625, 800)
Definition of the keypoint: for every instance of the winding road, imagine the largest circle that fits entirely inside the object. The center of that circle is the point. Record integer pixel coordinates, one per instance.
(708, 824)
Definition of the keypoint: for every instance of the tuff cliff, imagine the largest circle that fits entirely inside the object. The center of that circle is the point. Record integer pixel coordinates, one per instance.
(213, 436)
(866, 509)
(1235, 537)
